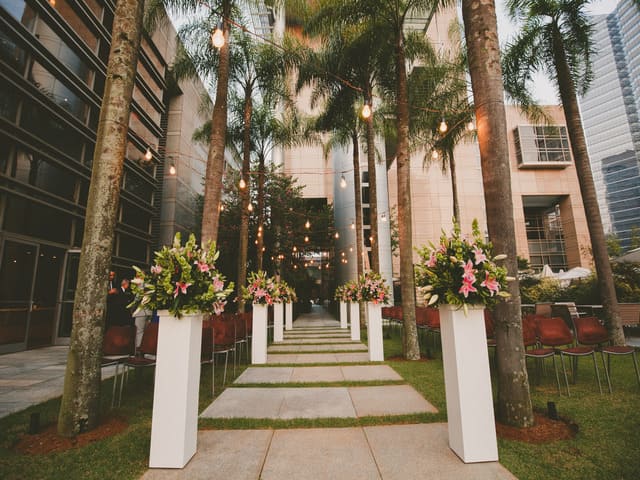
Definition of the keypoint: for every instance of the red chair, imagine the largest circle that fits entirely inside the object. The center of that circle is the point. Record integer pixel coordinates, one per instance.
(589, 331)
(119, 343)
(145, 354)
(529, 325)
(554, 332)
(224, 338)
(241, 336)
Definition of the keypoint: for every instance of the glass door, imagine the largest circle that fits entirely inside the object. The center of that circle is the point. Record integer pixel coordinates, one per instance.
(17, 272)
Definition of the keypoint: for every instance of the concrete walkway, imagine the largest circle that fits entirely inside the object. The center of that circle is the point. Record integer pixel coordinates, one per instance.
(283, 392)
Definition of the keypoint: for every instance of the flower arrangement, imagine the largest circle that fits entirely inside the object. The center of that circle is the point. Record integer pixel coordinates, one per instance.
(372, 288)
(461, 271)
(347, 292)
(286, 293)
(182, 280)
(340, 293)
(261, 289)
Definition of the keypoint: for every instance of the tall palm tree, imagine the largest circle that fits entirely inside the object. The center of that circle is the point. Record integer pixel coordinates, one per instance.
(80, 404)
(556, 39)
(481, 32)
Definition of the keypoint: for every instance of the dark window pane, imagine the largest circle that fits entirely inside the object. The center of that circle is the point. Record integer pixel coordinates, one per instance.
(133, 248)
(365, 177)
(37, 171)
(135, 217)
(11, 53)
(365, 194)
(8, 101)
(138, 186)
(19, 10)
(29, 218)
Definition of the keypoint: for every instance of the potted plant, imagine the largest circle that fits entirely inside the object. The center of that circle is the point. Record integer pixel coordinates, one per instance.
(182, 285)
(373, 290)
(461, 277)
(261, 291)
(340, 295)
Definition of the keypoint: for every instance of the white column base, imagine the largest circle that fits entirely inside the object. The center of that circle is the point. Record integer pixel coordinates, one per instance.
(288, 313)
(354, 319)
(278, 319)
(343, 315)
(374, 332)
(259, 335)
(472, 430)
(174, 424)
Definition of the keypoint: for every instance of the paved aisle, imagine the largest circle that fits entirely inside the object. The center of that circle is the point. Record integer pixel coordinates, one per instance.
(286, 391)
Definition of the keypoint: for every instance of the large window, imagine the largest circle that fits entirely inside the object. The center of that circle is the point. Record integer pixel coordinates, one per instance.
(542, 146)
(545, 238)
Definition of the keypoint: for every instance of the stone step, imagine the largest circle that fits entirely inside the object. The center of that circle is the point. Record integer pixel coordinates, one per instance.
(324, 341)
(278, 348)
(355, 357)
(318, 402)
(343, 373)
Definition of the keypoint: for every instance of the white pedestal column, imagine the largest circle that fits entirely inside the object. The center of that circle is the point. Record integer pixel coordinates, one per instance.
(288, 314)
(174, 424)
(278, 322)
(354, 319)
(259, 334)
(472, 431)
(343, 315)
(374, 332)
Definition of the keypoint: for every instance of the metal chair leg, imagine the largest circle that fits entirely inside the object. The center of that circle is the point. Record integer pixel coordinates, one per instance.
(555, 369)
(635, 365)
(564, 370)
(606, 370)
(595, 366)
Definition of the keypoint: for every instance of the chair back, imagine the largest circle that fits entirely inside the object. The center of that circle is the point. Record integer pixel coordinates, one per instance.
(119, 340)
(149, 343)
(421, 316)
(224, 331)
(240, 326)
(589, 331)
(529, 323)
(206, 346)
(553, 332)
(489, 325)
(387, 312)
(248, 321)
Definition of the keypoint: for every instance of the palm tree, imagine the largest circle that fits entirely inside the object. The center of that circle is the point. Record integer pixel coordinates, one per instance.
(80, 404)
(481, 32)
(556, 39)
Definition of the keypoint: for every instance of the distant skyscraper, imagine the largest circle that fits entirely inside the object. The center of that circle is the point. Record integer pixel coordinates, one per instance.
(611, 118)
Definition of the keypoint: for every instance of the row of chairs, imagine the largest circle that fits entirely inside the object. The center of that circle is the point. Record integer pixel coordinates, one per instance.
(221, 334)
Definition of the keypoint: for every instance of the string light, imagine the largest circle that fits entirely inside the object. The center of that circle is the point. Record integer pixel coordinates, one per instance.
(307, 224)
(217, 37)
(443, 126)
(172, 169)
(343, 182)
(250, 207)
(435, 155)
(148, 156)
(353, 225)
(242, 184)
(337, 235)
(383, 217)
(366, 110)
(471, 126)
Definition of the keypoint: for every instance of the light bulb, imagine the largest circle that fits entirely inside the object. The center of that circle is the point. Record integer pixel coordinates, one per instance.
(443, 126)
(221, 207)
(383, 217)
(470, 126)
(343, 182)
(306, 239)
(242, 183)
(351, 249)
(366, 111)
(342, 253)
(295, 249)
(337, 235)
(256, 242)
(172, 170)
(353, 226)
(264, 248)
(307, 224)
(434, 155)
(217, 37)
(260, 228)
(148, 156)
(250, 207)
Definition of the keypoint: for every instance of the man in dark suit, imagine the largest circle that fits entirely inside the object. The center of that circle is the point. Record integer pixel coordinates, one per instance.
(120, 313)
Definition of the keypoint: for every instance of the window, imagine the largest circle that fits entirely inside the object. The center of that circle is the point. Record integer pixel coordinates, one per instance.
(545, 238)
(32, 219)
(542, 146)
(37, 171)
(11, 53)
(8, 101)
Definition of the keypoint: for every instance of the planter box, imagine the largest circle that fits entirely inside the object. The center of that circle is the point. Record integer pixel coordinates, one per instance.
(472, 430)
(259, 335)
(354, 319)
(278, 322)
(288, 314)
(343, 315)
(374, 332)
(174, 425)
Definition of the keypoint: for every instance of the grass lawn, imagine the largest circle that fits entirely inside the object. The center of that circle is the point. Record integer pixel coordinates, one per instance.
(607, 445)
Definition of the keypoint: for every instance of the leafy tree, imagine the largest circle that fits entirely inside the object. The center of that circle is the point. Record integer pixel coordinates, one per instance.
(614, 248)
(483, 51)
(80, 404)
(556, 38)
(635, 237)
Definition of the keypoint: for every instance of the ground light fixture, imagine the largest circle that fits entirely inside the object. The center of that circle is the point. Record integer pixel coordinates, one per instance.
(217, 37)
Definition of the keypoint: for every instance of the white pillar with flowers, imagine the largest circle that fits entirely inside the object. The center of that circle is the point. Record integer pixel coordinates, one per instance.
(261, 291)
(461, 271)
(373, 290)
(179, 288)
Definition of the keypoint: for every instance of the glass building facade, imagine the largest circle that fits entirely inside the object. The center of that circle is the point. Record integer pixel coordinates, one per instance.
(54, 55)
(610, 113)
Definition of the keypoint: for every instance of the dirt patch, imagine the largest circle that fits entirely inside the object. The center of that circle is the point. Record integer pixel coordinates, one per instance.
(544, 431)
(48, 440)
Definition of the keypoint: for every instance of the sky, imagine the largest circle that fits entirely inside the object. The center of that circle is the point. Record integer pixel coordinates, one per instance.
(544, 92)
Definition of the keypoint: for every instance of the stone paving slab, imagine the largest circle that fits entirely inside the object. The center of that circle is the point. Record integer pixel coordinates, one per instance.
(317, 358)
(276, 348)
(310, 454)
(389, 400)
(369, 373)
(325, 341)
(265, 375)
(317, 374)
(317, 335)
(422, 451)
(222, 454)
(282, 403)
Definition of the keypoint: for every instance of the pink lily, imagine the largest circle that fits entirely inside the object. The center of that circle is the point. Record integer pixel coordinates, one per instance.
(202, 266)
(218, 307)
(480, 256)
(156, 269)
(260, 292)
(469, 272)
(432, 260)
(181, 287)
(467, 288)
(491, 283)
(218, 284)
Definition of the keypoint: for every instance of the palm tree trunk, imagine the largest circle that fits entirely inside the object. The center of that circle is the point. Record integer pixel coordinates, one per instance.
(80, 404)
(410, 345)
(481, 31)
(245, 198)
(373, 195)
(454, 187)
(604, 272)
(357, 190)
(261, 179)
(215, 158)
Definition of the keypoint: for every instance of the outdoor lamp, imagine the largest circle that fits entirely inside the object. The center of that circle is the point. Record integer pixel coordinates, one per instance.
(434, 155)
(242, 183)
(337, 235)
(148, 156)
(470, 126)
(250, 207)
(343, 182)
(217, 37)
(366, 110)
(307, 224)
(172, 169)
(443, 126)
